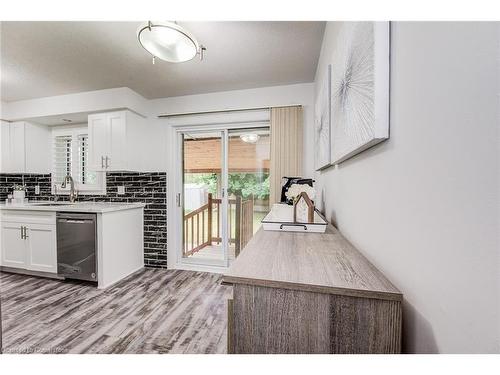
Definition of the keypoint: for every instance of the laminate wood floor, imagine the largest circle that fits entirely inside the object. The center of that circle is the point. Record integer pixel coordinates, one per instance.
(152, 311)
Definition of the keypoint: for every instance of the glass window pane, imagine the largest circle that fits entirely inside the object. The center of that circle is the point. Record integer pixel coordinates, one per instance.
(248, 184)
(202, 203)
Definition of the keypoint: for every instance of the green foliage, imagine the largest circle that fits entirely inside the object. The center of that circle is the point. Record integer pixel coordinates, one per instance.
(248, 184)
(240, 184)
(207, 179)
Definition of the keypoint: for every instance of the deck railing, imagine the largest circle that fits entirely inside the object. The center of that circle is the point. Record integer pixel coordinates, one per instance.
(202, 227)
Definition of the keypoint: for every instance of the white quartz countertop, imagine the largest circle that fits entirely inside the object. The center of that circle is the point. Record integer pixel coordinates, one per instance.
(95, 207)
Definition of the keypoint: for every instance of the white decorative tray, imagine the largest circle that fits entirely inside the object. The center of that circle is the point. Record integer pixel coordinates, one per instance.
(280, 218)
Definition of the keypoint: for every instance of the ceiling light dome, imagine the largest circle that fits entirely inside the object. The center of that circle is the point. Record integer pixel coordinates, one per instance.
(250, 137)
(169, 41)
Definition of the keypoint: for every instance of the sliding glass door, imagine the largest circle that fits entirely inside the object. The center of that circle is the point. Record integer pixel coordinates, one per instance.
(224, 192)
(203, 176)
(248, 185)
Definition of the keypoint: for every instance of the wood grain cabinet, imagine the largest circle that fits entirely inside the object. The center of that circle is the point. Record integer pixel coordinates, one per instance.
(310, 293)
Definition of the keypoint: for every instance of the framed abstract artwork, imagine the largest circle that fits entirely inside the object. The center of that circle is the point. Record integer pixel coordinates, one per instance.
(359, 88)
(322, 139)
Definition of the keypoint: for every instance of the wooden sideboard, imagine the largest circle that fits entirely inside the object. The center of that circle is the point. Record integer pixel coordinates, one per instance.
(310, 293)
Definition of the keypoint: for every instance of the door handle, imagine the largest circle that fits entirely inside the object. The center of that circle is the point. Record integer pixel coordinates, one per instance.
(73, 221)
(21, 230)
(26, 232)
(107, 162)
(102, 162)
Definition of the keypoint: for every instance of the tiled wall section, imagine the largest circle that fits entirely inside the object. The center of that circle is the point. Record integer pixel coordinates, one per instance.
(7, 181)
(149, 188)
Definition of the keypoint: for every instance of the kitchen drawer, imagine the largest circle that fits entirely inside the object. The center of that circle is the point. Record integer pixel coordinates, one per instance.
(28, 217)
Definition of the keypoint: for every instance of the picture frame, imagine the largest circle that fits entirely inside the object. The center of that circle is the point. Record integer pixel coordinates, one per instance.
(322, 124)
(359, 88)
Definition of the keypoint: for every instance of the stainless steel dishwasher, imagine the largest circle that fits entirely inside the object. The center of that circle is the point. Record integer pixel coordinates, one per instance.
(76, 246)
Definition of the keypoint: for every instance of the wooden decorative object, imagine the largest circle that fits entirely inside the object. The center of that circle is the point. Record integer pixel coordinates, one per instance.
(303, 209)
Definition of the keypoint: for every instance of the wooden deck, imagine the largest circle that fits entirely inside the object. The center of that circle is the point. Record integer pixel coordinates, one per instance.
(203, 226)
(214, 252)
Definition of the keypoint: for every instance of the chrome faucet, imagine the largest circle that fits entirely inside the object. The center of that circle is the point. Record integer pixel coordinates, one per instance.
(73, 194)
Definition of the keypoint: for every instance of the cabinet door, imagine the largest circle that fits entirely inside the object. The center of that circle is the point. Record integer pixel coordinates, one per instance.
(37, 146)
(5, 144)
(117, 153)
(98, 141)
(17, 149)
(41, 248)
(13, 246)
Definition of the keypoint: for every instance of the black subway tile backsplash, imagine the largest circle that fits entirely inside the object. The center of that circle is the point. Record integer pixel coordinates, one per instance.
(149, 188)
(7, 181)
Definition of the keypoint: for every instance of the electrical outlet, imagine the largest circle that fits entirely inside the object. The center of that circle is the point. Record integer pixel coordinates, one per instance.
(121, 189)
(37, 190)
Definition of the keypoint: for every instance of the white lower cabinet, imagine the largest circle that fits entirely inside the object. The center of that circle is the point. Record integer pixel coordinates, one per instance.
(13, 246)
(41, 248)
(29, 246)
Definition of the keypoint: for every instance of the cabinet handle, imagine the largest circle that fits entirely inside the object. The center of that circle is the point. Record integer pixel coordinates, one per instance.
(102, 162)
(293, 225)
(25, 233)
(107, 162)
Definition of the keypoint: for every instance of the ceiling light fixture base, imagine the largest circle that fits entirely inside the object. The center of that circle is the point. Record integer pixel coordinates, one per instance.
(169, 41)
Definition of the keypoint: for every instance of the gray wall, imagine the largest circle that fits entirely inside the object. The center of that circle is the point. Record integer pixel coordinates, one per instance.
(424, 205)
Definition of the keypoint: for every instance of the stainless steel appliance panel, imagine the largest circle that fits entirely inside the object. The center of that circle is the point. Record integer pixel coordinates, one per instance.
(76, 246)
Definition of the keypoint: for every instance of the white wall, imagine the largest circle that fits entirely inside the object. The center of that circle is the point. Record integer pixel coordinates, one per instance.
(90, 101)
(112, 99)
(424, 205)
(252, 98)
(2, 107)
(237, 99)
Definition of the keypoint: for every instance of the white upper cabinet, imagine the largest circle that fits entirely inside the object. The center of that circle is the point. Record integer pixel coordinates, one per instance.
(25, 148)
(98, 130)
(117, 158)
(116, 140)
(18, 147)
(5, 146)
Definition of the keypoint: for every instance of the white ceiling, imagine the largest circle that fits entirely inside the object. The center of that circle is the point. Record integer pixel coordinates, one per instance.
(54, 58)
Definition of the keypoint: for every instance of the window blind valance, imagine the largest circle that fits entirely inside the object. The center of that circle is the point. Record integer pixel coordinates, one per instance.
(219, 117)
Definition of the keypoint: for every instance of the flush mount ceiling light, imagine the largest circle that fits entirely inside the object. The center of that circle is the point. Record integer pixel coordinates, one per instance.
(250, 137)
(169, 41)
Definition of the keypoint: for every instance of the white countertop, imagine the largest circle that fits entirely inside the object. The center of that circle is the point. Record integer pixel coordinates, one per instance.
(95, 207)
